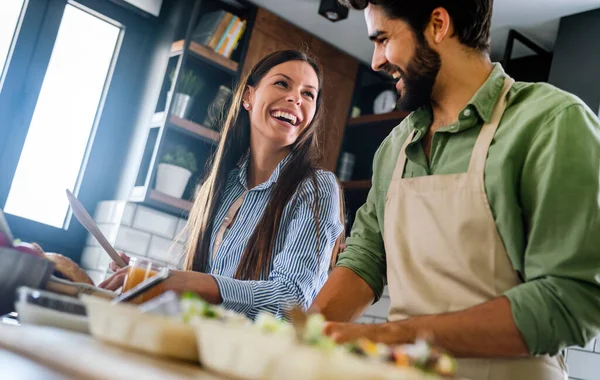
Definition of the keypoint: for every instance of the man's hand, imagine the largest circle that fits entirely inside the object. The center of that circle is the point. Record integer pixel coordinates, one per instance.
(349, 332)
(483, 331)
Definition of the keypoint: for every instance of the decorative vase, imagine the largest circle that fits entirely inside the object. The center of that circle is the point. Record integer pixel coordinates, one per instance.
(172, 180)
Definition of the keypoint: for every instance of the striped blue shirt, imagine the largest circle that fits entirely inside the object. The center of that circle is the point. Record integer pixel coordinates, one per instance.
(297, 271)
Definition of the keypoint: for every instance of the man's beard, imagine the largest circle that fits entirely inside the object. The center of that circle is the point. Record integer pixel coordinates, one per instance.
(419, 78)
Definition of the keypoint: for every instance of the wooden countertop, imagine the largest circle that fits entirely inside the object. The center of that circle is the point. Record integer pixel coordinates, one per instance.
(50, 353)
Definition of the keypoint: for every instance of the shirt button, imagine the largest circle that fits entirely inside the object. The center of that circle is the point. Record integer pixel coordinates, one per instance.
(467, 112)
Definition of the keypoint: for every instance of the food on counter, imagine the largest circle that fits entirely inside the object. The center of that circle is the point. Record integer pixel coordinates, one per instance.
(420, 355)
(193, 306)
(68, 269)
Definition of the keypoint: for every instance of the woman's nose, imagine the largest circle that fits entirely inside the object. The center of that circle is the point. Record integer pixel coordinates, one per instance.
(293, 98)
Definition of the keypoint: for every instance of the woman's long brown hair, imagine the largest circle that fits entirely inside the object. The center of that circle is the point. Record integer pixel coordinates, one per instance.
(234, 144)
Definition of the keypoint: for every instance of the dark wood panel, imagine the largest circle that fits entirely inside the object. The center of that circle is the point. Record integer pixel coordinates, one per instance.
(380, 118)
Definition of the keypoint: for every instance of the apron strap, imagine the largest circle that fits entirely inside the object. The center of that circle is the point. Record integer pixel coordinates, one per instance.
(399, 170)
(486, 135)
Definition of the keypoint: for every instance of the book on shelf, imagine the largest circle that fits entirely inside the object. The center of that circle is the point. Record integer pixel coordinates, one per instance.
(207, 26)
(220, 31)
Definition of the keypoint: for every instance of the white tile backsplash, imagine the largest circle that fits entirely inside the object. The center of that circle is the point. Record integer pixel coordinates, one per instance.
(90, 257)
(583, 365)
(379, 309)
(155, 222)
(128, 213)
(159, 249)
(109, 211)
(108, 230)
(180, 227)
(131, 240)
(96, 275)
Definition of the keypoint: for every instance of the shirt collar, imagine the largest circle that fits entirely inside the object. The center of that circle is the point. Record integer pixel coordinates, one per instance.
(243, 173)
(481, 104)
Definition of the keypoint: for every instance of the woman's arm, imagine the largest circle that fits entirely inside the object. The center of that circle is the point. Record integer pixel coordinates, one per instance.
(299, 268)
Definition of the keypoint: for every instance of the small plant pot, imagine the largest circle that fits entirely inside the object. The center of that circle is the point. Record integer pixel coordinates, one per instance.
(172, 180)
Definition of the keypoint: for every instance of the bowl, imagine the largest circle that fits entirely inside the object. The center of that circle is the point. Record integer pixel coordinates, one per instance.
(20, 269)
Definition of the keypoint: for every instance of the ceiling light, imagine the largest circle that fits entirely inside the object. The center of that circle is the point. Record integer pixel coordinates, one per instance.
(332, 10)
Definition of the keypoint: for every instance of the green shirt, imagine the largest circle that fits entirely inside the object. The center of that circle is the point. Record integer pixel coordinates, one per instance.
(542, 179)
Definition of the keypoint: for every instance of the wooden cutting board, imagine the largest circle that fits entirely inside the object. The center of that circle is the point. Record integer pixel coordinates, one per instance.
(81, 356)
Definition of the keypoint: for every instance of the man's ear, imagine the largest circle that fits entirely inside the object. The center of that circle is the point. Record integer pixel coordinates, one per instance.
(440, 25)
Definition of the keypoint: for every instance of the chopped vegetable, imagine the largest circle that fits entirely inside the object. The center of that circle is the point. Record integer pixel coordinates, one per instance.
(419, 355)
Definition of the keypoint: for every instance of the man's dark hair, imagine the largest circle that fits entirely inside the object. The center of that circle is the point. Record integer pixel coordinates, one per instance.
(471, 18)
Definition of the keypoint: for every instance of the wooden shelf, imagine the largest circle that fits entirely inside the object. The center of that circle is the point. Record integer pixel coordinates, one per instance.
(196, 129)
(372, 119)
(208, 55)
(177, 203)
(355, 185)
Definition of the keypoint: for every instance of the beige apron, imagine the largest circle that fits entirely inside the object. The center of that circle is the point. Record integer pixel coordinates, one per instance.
(444, 253)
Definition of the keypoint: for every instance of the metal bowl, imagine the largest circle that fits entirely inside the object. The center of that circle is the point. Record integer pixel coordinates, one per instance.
(20, 269)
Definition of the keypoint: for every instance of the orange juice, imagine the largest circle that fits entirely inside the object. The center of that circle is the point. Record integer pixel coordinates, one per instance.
(141, 270)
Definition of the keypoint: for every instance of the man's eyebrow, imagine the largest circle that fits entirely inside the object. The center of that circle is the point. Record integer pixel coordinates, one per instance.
(291, 80)
(376, 35)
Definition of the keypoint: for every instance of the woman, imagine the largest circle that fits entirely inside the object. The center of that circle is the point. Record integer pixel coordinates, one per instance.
(265, 222)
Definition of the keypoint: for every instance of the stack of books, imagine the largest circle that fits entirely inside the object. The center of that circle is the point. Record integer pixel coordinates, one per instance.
(220, 30)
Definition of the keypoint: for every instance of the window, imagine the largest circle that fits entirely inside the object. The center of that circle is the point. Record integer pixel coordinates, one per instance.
(9, 18)
(65, 115)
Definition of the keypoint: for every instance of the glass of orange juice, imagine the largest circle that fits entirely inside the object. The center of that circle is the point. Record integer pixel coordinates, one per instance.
(140, 270)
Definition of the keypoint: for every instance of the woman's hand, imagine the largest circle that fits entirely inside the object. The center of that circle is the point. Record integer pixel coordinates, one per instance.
(114, 267)
(117, 280)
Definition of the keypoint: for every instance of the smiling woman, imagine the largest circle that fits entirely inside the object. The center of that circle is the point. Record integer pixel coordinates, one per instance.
(267, 222)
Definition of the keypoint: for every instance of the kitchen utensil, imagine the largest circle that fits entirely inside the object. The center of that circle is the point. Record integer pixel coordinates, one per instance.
(20, 269)
(75, 289)
(86, 220)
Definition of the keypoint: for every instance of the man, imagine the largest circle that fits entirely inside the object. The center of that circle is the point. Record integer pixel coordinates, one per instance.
(484, 213)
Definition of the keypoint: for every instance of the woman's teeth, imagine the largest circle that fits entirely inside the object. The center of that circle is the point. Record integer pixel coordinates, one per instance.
(284, 116)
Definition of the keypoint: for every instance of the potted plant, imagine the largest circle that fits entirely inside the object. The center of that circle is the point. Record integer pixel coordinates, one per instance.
(189, 86)
(174, 171)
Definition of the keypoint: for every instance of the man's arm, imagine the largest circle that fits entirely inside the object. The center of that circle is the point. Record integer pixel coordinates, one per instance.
(359, 277)
(486, 330)
(344, 297)
(559, 305)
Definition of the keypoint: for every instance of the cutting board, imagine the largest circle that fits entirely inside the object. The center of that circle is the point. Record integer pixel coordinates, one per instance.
(80, 356)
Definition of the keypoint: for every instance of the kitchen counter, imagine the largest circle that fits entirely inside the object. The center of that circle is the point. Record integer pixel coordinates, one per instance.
(34, 352)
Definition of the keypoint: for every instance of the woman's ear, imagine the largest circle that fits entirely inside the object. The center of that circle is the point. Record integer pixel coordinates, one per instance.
(247, 98)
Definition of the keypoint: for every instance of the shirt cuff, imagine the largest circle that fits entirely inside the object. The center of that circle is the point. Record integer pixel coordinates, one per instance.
(236, 295)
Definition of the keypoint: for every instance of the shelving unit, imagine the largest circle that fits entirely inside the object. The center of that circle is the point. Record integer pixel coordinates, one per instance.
(166, 129)
(195, 129)
(206, 54)
(181, 50)
(363, 136)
